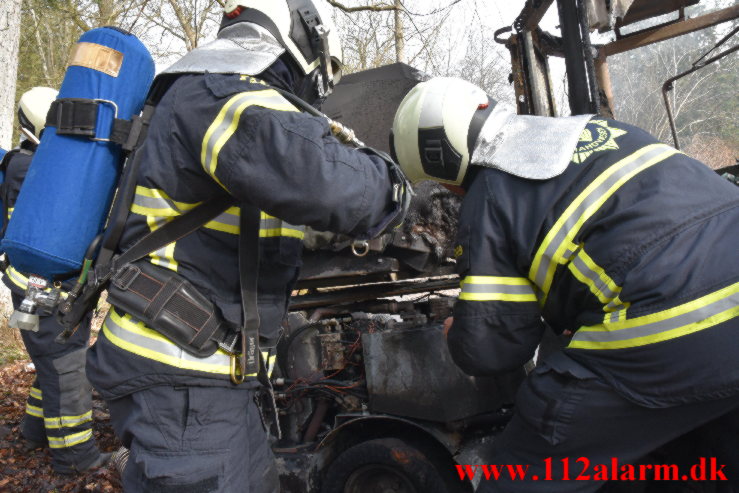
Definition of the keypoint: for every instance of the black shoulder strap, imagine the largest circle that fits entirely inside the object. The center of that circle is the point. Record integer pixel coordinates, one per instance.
(4, 189)
(127, 185)
(75, 306)
(174, 230)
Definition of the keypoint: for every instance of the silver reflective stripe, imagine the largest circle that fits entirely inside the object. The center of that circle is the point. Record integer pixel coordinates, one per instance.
(259, 98)
(159, 203)
(162, 258)
(35, 411)
(222, 127)
(274, 223)
(496, 288)
(141, 340)
(35, 393)
(650, 329)
(228, 219)
(67, 421)
(271, 223)
(152, 201)
(70, 440)
(599, 284)
(586, 208)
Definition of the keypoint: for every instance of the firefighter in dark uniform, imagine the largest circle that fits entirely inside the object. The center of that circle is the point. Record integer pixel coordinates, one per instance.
(222, 128)
(59, 406)
(594, 228)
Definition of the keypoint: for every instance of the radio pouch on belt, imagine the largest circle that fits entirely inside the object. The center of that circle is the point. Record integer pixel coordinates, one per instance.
(167, 302)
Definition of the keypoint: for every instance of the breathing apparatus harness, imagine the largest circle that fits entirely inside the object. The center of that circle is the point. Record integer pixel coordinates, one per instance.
(162, 299)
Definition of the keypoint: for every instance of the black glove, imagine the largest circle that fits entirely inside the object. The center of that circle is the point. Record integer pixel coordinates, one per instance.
(402, 194)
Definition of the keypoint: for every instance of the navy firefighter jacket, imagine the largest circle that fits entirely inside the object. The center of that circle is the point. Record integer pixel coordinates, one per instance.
(215, 134)
(16, 163)
(632, 249)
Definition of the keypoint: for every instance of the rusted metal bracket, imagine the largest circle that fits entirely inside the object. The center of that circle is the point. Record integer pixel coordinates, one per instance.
(663, 33)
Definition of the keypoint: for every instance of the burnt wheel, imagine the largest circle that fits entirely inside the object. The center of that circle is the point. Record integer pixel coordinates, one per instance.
(385, 465)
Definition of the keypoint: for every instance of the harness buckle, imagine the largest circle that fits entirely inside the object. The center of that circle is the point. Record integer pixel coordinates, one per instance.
(125, 276)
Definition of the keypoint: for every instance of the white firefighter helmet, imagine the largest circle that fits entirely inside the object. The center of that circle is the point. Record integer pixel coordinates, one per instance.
(311, 40)
(33, 107)
(435, 129)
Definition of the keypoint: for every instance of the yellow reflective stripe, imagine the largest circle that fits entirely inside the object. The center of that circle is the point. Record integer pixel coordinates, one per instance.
(34, 411)
(678, 321)
(158, 208)
(21, 280)
(17, 278)
(163, 257)
(495, 288)
(67, 421)
(70, 440)
(270, 361)
(35, 393)
(135, 337)
(289, 232)
(158, 194)
(271, 227)
(227, 121)
(558, 247)
(227, 222)
(10, 212)
(511, 281)
(156, 202)
(585, 270)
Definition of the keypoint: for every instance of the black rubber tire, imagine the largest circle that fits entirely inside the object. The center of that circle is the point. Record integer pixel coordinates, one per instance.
(384, 465)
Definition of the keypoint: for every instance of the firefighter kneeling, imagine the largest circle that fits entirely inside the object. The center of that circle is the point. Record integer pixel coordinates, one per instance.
(591, 227)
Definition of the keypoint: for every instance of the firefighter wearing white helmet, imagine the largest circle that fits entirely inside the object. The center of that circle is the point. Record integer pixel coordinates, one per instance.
(585, 225)
(311, 41)
(32, 110)
(228, 128)
(254, 34)
(58, 411)
(432, 127)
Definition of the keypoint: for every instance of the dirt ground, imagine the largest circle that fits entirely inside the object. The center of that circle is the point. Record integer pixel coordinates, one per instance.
(22, 471)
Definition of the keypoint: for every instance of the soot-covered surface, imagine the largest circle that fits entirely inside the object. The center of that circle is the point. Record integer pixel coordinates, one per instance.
(366, 102)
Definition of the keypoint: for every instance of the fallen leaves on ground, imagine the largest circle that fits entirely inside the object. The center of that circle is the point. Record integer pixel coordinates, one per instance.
(30, 471)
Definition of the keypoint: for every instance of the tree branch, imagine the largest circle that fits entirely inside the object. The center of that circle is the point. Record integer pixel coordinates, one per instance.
(380, 7)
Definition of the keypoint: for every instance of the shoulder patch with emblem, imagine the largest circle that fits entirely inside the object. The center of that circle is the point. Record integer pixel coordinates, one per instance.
(458, 251)
(597, 136)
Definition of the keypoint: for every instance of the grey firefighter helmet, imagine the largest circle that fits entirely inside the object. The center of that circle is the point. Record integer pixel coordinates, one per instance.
(445, 125)
(32, 109)
(312, 42)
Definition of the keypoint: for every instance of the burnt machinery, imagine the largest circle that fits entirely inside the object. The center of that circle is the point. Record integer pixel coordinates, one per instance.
(367, 395)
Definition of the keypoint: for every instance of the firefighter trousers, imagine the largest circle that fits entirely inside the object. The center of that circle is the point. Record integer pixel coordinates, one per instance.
(59, 405)
(194, 439)
(570, 423)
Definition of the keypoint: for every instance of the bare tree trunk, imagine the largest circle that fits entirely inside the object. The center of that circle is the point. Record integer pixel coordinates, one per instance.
(10, 24)
(399, 33)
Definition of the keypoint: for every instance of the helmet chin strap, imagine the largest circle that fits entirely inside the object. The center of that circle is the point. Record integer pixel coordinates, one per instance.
(30, 135)
(320, 40)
